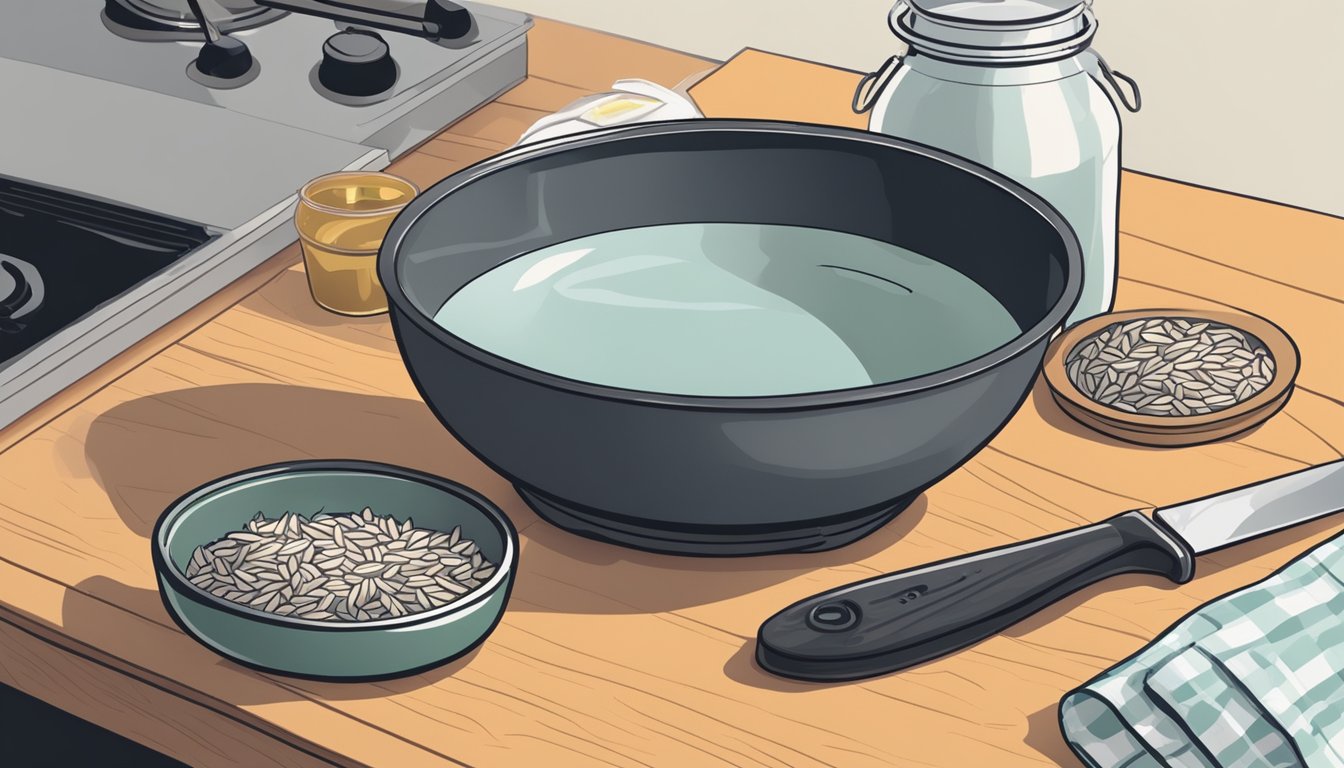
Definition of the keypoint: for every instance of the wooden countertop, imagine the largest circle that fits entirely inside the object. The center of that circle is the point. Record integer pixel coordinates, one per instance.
(609, 656)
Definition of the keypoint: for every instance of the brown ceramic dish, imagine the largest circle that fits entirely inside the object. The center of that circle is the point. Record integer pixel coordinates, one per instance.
(1172, 431)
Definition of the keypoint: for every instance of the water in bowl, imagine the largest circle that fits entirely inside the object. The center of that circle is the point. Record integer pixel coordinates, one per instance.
(728, 310)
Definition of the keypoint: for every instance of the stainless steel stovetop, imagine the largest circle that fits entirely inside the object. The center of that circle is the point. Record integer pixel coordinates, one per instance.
(74, 36)
(99, 119)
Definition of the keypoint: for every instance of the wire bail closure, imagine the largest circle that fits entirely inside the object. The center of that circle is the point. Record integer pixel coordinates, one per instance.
(872, 84)
(1099, 69)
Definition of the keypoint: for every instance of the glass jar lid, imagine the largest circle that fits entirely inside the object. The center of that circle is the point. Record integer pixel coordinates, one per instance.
(989, 31)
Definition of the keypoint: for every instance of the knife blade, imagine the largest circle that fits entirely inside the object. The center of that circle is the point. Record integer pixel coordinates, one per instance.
(1254, 510)
(897, 620)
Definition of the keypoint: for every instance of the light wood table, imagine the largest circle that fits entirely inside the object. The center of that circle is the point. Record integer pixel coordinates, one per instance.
(609, 656)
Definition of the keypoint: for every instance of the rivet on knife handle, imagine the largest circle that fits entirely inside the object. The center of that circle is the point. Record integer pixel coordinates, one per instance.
(895, 621)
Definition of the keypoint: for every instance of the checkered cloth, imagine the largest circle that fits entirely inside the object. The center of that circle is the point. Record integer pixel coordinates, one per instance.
(1252, 679)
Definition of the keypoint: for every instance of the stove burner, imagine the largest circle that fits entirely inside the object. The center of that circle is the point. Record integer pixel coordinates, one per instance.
(63, 256)
(173, 20)
(21, 292)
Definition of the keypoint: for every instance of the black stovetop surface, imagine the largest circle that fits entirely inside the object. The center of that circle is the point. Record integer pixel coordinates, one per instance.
(62, 256)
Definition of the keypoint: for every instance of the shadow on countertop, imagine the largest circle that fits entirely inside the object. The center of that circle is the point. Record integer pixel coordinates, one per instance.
(570, 574)
(1044, 735)
(287, 298)
(148, 452)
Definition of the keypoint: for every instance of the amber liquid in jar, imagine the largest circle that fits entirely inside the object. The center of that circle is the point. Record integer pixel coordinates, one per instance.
(342, 219)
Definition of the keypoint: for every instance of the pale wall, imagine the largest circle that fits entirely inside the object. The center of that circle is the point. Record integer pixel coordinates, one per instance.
(1239, 95)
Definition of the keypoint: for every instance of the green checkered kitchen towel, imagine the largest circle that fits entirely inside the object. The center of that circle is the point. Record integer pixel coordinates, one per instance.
(1252, 679)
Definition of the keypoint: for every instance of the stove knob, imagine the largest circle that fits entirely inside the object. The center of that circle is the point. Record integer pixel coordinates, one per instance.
(226, 58)
(357, 62)
(454, 21)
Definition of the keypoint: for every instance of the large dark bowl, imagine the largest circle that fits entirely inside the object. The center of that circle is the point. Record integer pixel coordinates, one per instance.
(712, 475)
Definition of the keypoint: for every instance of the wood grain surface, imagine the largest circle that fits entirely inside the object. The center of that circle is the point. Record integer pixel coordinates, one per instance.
(609, 656)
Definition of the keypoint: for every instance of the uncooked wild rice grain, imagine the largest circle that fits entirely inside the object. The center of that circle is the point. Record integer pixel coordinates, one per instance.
(1170, 366)
(347, 567)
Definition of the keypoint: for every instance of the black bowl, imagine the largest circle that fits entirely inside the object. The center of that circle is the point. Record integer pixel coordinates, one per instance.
(714, 475)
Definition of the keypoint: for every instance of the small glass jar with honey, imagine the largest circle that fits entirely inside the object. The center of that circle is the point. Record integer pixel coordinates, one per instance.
(342, 219)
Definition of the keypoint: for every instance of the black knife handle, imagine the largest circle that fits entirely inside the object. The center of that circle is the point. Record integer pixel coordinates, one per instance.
(892, 622)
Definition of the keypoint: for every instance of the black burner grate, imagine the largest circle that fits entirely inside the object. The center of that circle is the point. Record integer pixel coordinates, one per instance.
(173, 19)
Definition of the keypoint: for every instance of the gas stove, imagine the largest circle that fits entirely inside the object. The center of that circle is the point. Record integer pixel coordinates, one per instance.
(435, 82)
(143, 168)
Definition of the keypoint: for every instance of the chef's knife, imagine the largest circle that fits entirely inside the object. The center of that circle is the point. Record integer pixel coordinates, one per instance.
(891, 622)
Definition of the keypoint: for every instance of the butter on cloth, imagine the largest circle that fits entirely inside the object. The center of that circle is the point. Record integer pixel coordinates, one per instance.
(1250, 680)
(628, 102)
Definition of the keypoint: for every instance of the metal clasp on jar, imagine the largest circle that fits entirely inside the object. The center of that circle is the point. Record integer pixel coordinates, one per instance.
(870, 87)
(1100, 71)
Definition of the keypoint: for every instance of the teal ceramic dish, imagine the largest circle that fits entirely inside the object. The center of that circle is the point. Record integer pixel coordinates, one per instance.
(321, 649)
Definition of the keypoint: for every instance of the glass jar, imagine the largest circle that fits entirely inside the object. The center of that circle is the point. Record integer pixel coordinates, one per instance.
(1015, 86)
(342, 219)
